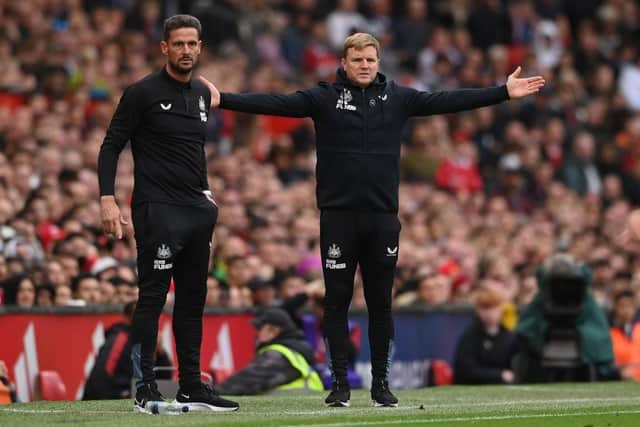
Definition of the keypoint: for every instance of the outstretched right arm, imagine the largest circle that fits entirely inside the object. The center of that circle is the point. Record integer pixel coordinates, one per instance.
(296, 104)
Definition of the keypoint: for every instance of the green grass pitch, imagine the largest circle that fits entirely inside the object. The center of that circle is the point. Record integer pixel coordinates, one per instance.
(566, 405)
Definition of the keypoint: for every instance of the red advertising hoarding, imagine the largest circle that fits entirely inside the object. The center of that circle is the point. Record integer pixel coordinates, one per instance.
(67, 343)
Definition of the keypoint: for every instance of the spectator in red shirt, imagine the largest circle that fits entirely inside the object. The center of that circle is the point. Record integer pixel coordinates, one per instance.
(459, 171)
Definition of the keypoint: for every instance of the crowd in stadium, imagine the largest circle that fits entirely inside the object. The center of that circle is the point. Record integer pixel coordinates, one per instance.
(485, 196)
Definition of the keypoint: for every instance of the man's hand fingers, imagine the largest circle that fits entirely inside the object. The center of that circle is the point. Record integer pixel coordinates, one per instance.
(212, 200)
(517, 72)
(123, 221)
(118, 230)
(106, 226)
(204, 80)
(215, 93)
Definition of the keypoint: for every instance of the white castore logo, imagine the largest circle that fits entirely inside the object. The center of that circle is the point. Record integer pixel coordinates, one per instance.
(392, 251)
(165, 107)
(383, 97)
(201, 104)
(344, 99)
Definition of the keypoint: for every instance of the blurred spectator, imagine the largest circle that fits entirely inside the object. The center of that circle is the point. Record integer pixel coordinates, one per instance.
(112, 372)
(625, 336)
(630, 81)
(486, 347)
(344, 21)
(262, 291)
(214, 298)
(283, 360)
(7, 395)
(459, 172)
(19, 290)
(548, 45)
(45, 295)
(63, 296)
(579, 172)
(126, 290)
(489, 24)
(563, 333)
(411, 32)
(432, 290)
(86, 288)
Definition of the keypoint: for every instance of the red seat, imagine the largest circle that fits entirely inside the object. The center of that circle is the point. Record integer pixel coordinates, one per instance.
(441, 373)
(51, 386)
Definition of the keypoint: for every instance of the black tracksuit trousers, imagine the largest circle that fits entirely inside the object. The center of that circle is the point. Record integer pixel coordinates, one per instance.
(370, 240)
(172, 241)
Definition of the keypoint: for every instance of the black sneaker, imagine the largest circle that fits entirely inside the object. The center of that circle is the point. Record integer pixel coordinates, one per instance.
(205, 399)
(145, 395)
(340, 395)
(381, 396)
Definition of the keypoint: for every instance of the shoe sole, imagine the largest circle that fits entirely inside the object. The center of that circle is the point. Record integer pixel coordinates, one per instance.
(205, 407)
(339, 404)
(383, 405)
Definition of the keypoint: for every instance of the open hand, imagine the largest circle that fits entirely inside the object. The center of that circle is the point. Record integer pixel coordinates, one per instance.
(521, 87)
(215, 93)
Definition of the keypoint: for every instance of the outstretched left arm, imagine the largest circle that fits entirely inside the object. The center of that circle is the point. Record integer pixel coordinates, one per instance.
(425, 103)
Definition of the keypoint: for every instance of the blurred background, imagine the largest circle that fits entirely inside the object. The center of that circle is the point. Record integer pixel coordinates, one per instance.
(486, 195)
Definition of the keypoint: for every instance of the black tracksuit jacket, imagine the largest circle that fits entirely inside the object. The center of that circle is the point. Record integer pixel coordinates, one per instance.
(166, 122)
(358, 132)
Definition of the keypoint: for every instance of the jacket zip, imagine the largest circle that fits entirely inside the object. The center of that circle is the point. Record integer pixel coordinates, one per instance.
(364, 181)
(364, 119)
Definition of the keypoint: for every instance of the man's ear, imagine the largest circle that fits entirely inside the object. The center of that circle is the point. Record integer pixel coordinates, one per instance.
(343, 61)
(164, 47)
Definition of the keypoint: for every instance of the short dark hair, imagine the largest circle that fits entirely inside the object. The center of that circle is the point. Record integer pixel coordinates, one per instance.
(75, 282)
(626, 293)
(181, 21)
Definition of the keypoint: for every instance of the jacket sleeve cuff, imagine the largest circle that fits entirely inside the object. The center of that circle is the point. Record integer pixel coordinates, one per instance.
(505, 92)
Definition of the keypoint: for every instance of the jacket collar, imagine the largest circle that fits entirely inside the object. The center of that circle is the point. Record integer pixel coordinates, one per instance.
(174, 82)
(343, 80)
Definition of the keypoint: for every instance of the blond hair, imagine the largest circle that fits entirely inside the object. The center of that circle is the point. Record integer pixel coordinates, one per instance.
(359, 41)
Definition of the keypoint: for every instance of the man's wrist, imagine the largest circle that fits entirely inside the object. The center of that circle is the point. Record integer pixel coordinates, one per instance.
(506, 90)
(108, 198)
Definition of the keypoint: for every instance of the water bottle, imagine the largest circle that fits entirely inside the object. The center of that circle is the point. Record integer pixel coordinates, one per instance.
(168, 408)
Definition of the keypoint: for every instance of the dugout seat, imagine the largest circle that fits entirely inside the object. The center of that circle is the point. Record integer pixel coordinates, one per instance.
(51, 386)
(440, 373)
